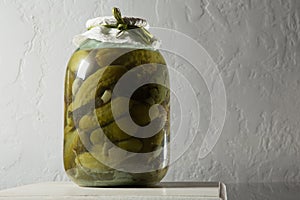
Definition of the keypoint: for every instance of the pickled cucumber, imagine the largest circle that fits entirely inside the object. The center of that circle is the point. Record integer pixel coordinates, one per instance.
(88, 123)
(70, 143)
(133, 57)
(153, 143)
(105, 57)
(70, 77)
(100, 80)
(105, 115)
(140, 114)
(97, 137)
(76, 59)
(114, 133)
(132, 145)
(89, 162)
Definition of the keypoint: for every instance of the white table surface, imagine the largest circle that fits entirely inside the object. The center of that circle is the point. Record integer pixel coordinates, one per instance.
(264, 191)
(68, 190)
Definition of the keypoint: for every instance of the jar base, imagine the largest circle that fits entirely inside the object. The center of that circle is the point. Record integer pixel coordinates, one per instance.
(118, 179)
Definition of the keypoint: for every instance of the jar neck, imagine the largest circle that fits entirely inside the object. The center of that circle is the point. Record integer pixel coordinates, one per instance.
(91, 44)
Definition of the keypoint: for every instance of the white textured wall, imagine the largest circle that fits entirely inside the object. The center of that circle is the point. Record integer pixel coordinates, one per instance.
(254, 42)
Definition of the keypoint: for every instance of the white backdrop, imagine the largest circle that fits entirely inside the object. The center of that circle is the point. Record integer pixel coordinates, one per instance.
(255, 44)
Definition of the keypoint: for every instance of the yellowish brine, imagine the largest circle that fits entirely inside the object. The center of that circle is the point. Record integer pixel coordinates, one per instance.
(97, 151)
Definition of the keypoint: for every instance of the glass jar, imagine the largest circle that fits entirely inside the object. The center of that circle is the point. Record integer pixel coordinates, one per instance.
(116, 117)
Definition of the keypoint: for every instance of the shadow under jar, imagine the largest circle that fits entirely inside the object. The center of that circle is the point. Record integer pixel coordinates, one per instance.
(116, 117)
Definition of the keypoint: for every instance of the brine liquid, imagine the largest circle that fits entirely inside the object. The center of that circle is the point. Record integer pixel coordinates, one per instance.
(116, 130)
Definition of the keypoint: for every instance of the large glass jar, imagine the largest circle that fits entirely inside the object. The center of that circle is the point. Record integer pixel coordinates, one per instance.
(116, 124)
